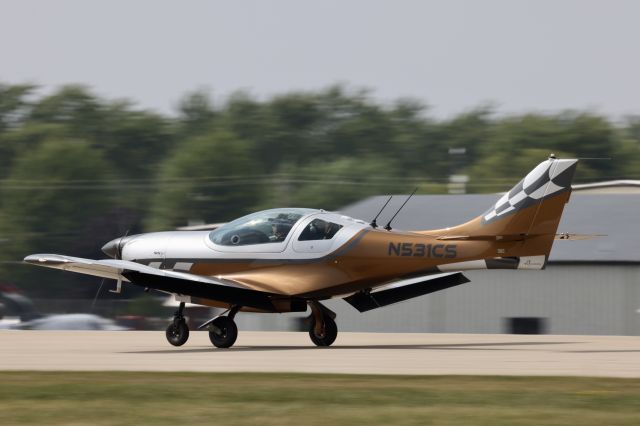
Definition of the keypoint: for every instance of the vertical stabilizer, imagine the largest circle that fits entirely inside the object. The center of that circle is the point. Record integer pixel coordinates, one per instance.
(528, 207)
(530, 212)
(522, 224)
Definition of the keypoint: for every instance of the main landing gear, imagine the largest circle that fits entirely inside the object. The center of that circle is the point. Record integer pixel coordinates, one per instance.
(178, 332)
(223, 331)
(322, 328)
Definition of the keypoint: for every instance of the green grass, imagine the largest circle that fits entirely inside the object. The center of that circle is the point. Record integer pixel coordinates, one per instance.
(123, 398)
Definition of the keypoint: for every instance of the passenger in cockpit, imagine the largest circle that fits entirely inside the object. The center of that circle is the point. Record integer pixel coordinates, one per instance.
(317, 230)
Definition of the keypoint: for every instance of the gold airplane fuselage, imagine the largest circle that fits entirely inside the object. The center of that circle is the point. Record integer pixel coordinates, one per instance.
(373, 257)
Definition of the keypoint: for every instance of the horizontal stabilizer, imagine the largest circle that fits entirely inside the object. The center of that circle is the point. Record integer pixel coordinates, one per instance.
(578, 237)
(400, 291)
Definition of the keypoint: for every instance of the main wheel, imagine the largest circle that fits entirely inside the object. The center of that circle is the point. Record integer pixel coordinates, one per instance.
(224, 332)
(178, 332)
(328, 333)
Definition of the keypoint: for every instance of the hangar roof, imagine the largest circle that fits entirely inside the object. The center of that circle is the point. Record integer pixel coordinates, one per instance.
(609, 187)
(615, 215)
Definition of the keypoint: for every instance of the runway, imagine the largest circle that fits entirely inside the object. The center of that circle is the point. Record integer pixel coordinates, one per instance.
(356, 353)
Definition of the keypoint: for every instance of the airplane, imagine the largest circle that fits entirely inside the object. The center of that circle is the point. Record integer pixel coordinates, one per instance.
(17, 312)
(291, 259)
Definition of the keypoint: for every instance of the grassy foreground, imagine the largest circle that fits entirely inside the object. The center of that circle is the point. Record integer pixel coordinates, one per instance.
(123, 398)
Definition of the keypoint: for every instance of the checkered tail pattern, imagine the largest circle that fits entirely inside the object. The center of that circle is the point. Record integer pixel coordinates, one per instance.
(547, 179)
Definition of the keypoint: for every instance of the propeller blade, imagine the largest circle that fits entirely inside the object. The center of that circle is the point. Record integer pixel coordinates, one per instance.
(95, 299)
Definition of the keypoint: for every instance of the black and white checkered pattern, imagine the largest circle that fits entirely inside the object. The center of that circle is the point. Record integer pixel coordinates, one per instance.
(548, 178)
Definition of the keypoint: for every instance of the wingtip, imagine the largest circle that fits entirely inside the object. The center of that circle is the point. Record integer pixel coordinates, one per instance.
(41, 259)
(32, 258)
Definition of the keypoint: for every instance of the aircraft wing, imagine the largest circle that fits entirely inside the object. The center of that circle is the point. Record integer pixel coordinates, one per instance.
(106, 268)
(183, 283)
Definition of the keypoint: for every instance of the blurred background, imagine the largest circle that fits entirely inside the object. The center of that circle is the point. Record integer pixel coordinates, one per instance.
(125, 118)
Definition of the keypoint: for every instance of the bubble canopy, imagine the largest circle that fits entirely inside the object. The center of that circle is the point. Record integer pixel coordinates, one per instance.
(264, 227)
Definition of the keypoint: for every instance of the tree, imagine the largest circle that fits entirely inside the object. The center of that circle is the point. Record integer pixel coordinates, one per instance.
(134, 142)
(627, 156)
(13, 105)
(74, 106)
(13, 109)
(334, 184)
(49, 199)
(197, 114)
(208, 178)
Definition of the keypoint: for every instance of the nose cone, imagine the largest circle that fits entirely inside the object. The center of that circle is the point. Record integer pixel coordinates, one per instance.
(111, 248)
(114, 247)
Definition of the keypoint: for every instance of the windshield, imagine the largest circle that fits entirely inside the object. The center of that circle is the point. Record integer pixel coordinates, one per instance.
(269, 226)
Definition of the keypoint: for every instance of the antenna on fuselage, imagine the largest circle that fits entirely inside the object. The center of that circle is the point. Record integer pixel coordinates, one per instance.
(373, 223)
(388, 225)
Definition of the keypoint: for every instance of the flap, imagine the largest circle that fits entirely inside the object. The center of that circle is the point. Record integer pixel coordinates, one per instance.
(399, 291)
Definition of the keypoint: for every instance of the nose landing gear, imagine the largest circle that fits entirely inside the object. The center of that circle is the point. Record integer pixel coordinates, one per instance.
(322, 329)
(178, 332)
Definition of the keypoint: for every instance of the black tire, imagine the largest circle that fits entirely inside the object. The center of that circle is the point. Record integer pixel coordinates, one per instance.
(177, 332)
(328, 335)
(227, 332)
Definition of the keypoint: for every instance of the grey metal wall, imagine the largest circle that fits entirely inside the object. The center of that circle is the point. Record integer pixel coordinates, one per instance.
(574, 299)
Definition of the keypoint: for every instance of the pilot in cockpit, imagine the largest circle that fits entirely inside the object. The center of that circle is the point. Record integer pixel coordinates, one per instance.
(279, 231)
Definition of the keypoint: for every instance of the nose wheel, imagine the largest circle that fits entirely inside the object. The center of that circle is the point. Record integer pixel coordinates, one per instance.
(177, 332)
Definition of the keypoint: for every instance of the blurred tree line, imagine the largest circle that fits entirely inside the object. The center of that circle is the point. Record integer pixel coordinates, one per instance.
(77, 170)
